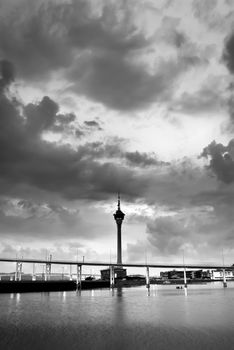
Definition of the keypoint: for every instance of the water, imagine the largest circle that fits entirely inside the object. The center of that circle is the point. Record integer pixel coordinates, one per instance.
(120, 319)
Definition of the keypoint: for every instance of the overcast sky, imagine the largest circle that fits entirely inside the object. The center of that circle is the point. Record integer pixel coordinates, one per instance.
(98, 97)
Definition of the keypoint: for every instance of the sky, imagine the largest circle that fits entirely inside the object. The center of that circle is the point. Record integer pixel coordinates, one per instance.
(100, 97)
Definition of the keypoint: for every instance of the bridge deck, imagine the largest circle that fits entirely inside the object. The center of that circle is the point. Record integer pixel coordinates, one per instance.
(101, 263)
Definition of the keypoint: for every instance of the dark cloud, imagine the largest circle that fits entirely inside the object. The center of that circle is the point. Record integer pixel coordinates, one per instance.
(93, 124)
(47, 36)
(206, 100)
(45, 116)
(143, 159)
(221, 160)
(179, 39)
(40, 116)
(115, 150)
(96, 50)
(7, 74)
(33, 35)
(228, 54)
(113, 79)
(79, 133)
(228, 58)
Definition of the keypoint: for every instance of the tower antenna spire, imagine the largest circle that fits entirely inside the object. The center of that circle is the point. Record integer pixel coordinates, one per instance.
(118, 201)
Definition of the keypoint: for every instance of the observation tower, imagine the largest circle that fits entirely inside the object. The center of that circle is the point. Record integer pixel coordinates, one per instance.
(119, 217)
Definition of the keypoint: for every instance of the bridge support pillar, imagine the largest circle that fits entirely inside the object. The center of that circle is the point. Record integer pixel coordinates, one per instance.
(47, 271)
(112, 276)
(78, 277)
(147, 277)
(70, 272)
(185, 278)
(34, 273)
(18, 271)
(224, 279)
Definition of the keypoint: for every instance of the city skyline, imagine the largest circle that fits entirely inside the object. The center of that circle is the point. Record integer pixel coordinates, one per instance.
(101, 97)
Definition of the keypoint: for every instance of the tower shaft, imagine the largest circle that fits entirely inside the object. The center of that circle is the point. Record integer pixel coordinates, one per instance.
(119, 216)
(119, 242)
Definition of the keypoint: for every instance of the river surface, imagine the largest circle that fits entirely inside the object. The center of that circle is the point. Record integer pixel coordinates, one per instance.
(127, 318)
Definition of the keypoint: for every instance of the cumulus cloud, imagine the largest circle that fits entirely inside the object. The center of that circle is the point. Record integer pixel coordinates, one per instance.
(87, 172)
(97, 50)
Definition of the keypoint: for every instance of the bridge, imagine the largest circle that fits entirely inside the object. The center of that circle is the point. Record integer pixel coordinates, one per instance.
(102, 263)
(111, 266)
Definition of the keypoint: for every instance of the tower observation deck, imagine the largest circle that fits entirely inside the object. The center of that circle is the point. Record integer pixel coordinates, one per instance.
(119, 217)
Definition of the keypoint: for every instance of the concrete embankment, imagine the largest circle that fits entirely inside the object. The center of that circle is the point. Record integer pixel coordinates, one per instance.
(35, 286)
(66, 285)
(48, 286)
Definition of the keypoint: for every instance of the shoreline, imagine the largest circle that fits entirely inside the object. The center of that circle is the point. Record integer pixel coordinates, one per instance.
(67, 285)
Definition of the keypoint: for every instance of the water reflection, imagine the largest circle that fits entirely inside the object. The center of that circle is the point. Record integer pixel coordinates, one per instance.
(119, 291)
(161, 317)
(18, 298)
(64, 295)
(119, 309)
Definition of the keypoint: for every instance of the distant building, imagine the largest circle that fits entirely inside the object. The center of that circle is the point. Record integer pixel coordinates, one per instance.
(119, 273)
(218, 274)
(190, 274)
